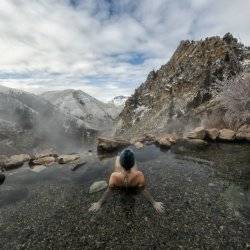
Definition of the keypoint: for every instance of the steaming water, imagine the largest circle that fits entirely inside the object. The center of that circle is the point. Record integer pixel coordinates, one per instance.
(206, 194)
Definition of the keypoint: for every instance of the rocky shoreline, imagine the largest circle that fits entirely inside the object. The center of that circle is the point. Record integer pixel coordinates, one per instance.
(199, 137)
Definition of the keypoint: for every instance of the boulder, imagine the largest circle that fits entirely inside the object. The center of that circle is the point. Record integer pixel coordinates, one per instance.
(38, 168)
(97, 186)
(191, 143)
(165, 140)
(197, 133)
(62, 159)
(109, 145)
(138, 145)
(45, 153)
(47, 160)
(243, 133)
(2, 178)
(15, 161)
(212, 133)
(78, 165)
(226, 135)
(147, 138)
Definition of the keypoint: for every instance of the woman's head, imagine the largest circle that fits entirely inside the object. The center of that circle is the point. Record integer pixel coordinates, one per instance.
(127, 159)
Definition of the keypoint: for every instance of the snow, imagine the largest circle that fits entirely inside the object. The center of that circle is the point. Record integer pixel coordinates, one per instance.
(94, 113)
(119, 100)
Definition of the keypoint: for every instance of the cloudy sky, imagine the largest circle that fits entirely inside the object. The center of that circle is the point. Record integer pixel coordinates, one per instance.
(104, 47)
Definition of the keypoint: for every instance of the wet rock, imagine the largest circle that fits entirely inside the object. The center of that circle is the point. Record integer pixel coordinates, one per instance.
(15, 161)
(147, 138)
(226, 135)
(62, 159)
(212, 133)
(38, 168)
(197, 133)
(97, 186)
(191, 143)
(163, 142)
(2, 178)
(46, 153)
(243, 133)
(78, 166)
(109, 145)
(138, 145)
(47, 160)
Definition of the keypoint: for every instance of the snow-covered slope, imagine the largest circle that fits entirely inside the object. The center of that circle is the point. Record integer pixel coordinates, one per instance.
(94, 113)
(119, 100)
(28, 120)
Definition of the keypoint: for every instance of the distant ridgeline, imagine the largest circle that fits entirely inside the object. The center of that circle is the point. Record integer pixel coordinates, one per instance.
(180, 94)
(64, 120)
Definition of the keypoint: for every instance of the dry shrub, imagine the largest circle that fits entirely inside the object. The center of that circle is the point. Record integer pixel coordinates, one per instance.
(214, 120)
(234, 96)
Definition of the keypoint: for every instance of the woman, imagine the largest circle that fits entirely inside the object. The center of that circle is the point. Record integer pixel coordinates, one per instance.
(126, 175)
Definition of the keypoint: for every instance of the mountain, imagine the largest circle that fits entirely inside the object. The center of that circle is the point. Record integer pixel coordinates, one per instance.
(180, 94)
(94, 113)
(28, 121)
(119, 100)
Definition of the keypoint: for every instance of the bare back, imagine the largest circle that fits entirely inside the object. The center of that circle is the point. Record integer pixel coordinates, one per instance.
(122, 178)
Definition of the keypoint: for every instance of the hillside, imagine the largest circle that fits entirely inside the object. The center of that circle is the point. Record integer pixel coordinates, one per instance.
(28, 121)
(179, 95)
(96, 114)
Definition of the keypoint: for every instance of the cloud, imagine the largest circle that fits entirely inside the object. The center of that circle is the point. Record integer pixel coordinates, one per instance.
(104, 47)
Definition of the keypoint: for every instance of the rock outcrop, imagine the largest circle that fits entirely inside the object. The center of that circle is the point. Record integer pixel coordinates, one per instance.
(63, 159)
(2, 178)
(97, 186)
(243, 133)
(109, 145)
(14, 161)
(197, 133)
(180, 94)
(47, 160)
(226, 135)
(212, 133)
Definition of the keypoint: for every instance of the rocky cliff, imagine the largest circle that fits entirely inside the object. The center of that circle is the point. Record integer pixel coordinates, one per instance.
(179, 94)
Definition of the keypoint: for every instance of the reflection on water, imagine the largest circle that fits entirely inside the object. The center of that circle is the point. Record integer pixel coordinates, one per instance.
(194, 184)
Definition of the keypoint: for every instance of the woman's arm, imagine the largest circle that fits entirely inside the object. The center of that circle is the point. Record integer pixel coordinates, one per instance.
(97, 205)
(158, 206)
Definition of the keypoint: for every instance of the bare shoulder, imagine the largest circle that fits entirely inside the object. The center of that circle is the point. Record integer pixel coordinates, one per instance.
(114, 179)
(140, 178)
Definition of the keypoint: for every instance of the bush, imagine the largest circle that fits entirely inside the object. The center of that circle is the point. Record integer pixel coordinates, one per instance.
(234, 95)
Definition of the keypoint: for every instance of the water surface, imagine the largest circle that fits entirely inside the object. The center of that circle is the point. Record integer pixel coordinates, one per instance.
(206, 194)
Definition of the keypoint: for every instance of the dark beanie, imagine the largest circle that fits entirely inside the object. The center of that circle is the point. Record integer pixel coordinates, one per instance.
(127, 159)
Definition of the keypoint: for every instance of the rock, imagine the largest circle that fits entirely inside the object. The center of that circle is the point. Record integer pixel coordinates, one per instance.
(62, 159)
(138, 145)
(109, 145)
(78, 166)
(191, 143)
(147, 138)
(163, 142)
(2, 178)
(16, 161)
(197, 133)
(212, 133)
(243, 133)
(47, 160)
(46, 153)
(38, 168)
(226, 135)
(97, 186)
